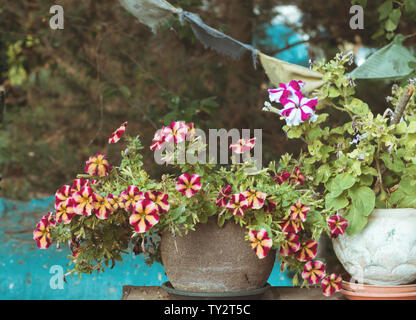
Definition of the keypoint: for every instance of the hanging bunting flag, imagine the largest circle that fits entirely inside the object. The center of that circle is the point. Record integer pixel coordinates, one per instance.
(280, 71)
(390, 62)
(152, 13)
(216, 40)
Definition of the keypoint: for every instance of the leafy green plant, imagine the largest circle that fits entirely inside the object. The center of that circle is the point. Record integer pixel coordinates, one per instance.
(365, 162)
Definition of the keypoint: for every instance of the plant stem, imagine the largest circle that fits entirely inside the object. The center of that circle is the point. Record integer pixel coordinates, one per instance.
(403, 101)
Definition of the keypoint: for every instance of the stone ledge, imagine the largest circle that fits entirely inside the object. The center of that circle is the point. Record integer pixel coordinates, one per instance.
(274, 293)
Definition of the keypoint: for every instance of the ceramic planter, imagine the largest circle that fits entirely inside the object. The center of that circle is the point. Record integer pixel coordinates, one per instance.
(384, 252)
(213, 259)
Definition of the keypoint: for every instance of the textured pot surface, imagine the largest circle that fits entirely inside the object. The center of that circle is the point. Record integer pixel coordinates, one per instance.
(384, 252)
(213, 259)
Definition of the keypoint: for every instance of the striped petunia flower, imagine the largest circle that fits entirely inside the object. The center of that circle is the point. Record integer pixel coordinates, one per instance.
(297, 177)
(281, 177)
(243, 145)
(102, 207)
(62, 195)
(84, 201)
(176, 132)
(118, 134)
(238, 204)
(255, 198)
(313, 272)
(337, 225)
(270, 205)
(98, 165)
(191, 131)
(285, 91)
(158, 141)
(130, 197)
(299, 109)
(65, 212)
(307, 251)
(224, 196)
(331, 284)
(260, 242)
(298, 211)
(144, 216)
(291, 226)
(42, 234)
(290, 245)
(78, 184)
(115, 201)
(188, 184)
(159, 199)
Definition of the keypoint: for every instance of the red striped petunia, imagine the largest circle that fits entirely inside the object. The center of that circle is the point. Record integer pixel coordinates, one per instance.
(176, 132)
(65, 212)
(297, 177)
(281, 177)
(331, 284)
(130, 197)
(298, 211)
(255, 198)
(159, 199)
(98, 165)
(118, 134)
(144, 216)
(115, 201)
(188, 184)
(224, 196)
(84, 201)
(62, 195)
(313, 271)
(102, 207)
(337, 225)
(42, 234)
(243, 145)
(260, 242)
(238, 204)
(307, 251)
(290, 226)
(290, 245)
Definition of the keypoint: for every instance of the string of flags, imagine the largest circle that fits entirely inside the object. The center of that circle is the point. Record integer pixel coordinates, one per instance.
(155, 13)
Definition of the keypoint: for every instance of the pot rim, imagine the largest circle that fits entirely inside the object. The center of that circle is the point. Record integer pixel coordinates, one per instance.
(393, 212)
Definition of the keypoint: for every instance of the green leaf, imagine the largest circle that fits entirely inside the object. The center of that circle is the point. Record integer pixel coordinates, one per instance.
(322, 174)
(410, 8)
(358, 107)
(340, 183)
(385, 9)
(333, 92)
(397, 165)
(336, 203)
(362, 204)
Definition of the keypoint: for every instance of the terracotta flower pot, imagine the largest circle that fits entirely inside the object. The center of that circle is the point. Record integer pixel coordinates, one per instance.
(384, 252)
(213, 259)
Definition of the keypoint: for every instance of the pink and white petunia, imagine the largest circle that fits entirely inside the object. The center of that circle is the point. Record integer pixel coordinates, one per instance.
(297, 177)
(307, 251)
(159, 199)
(42, 234)
(224, 196)
(285, 91)
(65, 212)
(188, 184)
(281, 177)
(144, 216)
(238, 204)
(260, 242)
(98, 165)
(299, 211)
(290, 245)
(102, 207)
(158, 141)
(191, 131)
(255, 198)
(176, 132)
(313, 272)
(115, 201)
(331, 284)
(62, 195)
(84, 201)
(337, 225)
(118, 134)
(243, 145)
(290, 226)
(49, 218)
(130, 197)
(299, 109)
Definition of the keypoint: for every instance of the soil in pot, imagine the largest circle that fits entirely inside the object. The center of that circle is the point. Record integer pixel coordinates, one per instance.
(213, 259)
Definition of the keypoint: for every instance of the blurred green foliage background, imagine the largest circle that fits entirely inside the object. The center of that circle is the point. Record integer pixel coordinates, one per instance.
(68, 90)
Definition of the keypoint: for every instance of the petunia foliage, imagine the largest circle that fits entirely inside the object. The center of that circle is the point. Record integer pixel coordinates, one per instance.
(366, 162)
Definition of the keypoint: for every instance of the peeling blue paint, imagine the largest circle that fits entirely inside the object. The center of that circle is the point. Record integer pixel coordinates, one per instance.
(25, 270)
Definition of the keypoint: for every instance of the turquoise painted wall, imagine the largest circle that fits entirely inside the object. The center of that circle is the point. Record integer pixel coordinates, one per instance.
(25, 270)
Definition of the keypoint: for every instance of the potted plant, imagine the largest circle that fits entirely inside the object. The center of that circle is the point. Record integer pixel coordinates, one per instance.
(214, 228)
(364, 168)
